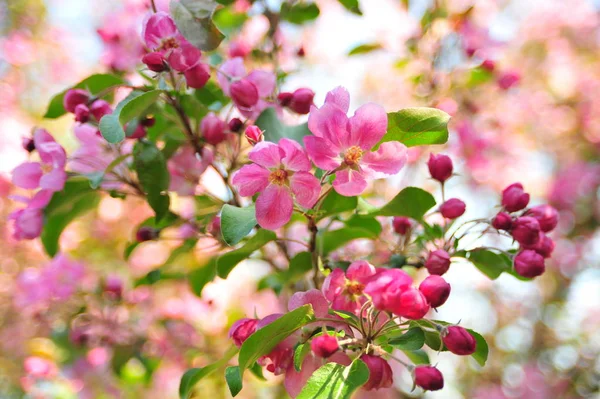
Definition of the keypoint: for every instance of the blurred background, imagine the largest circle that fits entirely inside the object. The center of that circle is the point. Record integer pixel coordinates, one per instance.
(521, 80)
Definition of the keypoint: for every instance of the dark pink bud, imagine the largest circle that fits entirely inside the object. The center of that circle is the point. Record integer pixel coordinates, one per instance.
(99, 108)
(235, 124)
(324, 346)
(239, 48)
(148, 121)
(386, 286)
(488, 65)
(301, 52)
(155, 62)
(301, 101)
(253, 134)
(452, 208)
(244, 93)
(411, 304)
(284, 98)
(146, 233)
(546, 215)
(197, 76)
(502, 221)
(436, 290)
(526, 231)
(514, 198)
(139, 132)
(28, 144)
(82, 113)
(401, 224)
(459, 341)
(529, 263)
(545, 246)
(429, 378)
(213, 129)
(113, 287)
(74, 97)
(241, 330)
(508, 79)
(380, 373)
(438, 262)
(440, 167)
(214, 227)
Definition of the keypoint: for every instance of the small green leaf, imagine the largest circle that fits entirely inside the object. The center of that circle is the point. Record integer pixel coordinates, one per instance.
(194, 20)
(275, 130)
(412, 202)
(111, 129)
(352, 6)
(482, 349)
(236, 223)
(411, 340)
(227, 261)
(300, 352)
(234, 380)
(299, 13)
(266, 338)
(201, 276)
(417, 126)
(212, 96)
(335, 203)
(489, 263)
(192, 376)
(153, 175)
(418, 357)
(364, 48)
(335, 381)
(95, 179)
(332, 240)
(135, 104)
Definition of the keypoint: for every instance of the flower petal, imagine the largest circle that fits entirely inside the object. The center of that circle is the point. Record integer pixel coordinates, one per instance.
(387, 160)
(266, 154)
(40, 199)
(330, 123)
(250, 179)
(349, 182)
(294, 158)
(27, 175)
(314, 297)
(233, 68)
(368, 125)
(306, 188)
(264, 82)
(274, 207)
(321, 153)
(156, 27)
(339, 97)
(54, 180)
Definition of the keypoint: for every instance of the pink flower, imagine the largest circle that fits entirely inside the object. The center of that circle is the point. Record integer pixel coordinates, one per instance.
(241, 330)
(313, 297)
(186, 167)
(280, 173)
(410, 304)
(385, 287)
(345, 291)
(29, 221)
(213, 129)
(253, 134)
(380, 373)
(343, 144)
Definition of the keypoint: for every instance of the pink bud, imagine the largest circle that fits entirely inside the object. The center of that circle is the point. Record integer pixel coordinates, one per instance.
(526, 230)
(244, 93)
(436, 290)
(459, 341)
(488, 65)
(386, 286)
(529, 263)
(401, 224)
(74, 97)
(301, 101)
(508, 79)
(28, 144)
(213, 129)
(241, 330)
(545, 246)
(239, 48)
(411, 304)
(440, 167)
(148, 121)
(514, 198)
(82, 113)
(438, 262)
(429, 378)
(214, 227)
(197, 76)
(253, 134)
(324, 346)
(301, 52)
(452, 208)
(155, 62)
(99, 108)
(502, 221)
(380, 373)
(139, 132)
(284, 98)
(546, 215)
(235, 124)
(113, 286)
(146, 233)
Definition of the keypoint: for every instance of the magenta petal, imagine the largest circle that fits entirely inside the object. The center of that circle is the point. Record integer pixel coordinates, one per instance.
(330, 123)
(349, 182)
(157, 27)
(321, 153)
(339, 97)
(296, 380)
(40, 199)
(360, 270)
(368, 126)
(306, 188)
(334, 284)
(294, 158)
(264, 81)
(251, 179)
(313, 297)
(233, 68)
(27, 175)
(388, 159)
(274, 207)
(54, 180)
(266, 154)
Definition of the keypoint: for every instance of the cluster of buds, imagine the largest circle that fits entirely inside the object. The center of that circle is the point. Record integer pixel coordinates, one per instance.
(299, 101)
(84, 106)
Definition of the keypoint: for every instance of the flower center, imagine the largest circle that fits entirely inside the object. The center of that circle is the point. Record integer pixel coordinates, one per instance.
(353, 155)
(170, 43)
(278, 177)
(354, 288)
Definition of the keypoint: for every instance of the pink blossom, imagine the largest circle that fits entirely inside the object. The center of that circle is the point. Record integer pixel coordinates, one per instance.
(346, 291)
(343, 145)
(186, 167)
(280, 173)
(29, 221)
(386, 286)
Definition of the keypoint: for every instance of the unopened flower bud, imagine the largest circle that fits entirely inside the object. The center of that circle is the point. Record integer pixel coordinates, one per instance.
(74, 97)
(235, 124)
(546, 215)
(429, 378)
(139, 132)
(28, 144)
(301, 52)
(148, 121)
(253, 134)
(324, 346)
(401, 224)
(526, 231)
(301, 101)
(438, 262)
(440, 167)
(284, 98)
(514, 198)
(436, 290)
(545, 246)
(197, 76)
(82, 113)
(99, 108)
(155, 62)
(508, 79)
(411, 304)
(214, 227)
(459, 341)
(239, 48)
(244, 93)
(380, 373)
(529, 263)
(452, 208)
(213, 129)
(502, 221)
(113, 286)
(488, 65)
(146, 233)
(241, 330)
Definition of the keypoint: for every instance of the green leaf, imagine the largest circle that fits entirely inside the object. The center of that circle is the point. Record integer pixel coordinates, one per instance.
(187, 246)
(411, 340)
(299, 266)
(335, 381)
(352, 6)
(489, 263)
(364, 48)
(370, 224)
(135, 104)
(265, 339)
(153, 175)
(194, 20)
(482, 349)
(94, 84)
(275, 130)
(236, 223)
(417, 126)
(228, 21)
(227, 261)
(332, 240)
(192, 376)
(76, 198)
(418, 357)
(201, 276)
(212, 96)
(111, 129)
(335, 203)
(300, 352)
(299, 13)
(412, 202)
(234, 380)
